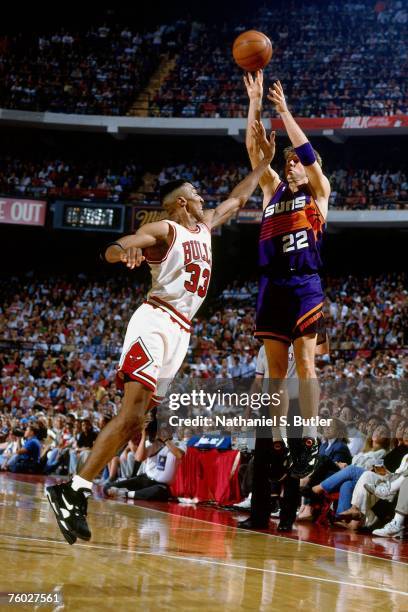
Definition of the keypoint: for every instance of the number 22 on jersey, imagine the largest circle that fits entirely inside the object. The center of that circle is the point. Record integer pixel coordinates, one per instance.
(295, 242)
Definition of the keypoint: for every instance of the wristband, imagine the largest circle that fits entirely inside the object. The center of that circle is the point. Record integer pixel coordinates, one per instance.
(102, 254)
(115, 244)
(306, 154)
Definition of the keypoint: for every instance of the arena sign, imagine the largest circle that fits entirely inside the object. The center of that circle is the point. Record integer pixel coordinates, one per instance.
(249, 216)
(22, 212)
(142, 215)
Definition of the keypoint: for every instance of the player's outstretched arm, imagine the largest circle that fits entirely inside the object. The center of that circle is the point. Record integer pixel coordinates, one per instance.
(128, 249)
(269, 181)
(243, 191)
(318, 181)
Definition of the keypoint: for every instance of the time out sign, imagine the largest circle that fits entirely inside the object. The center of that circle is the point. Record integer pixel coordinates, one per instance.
(22, 212)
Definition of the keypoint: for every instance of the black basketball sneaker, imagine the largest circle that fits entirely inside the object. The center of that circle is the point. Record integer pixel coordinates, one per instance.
(304, 455)
(70, 508)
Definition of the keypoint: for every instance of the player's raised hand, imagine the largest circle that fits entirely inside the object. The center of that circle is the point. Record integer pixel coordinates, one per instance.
(266, 145)
(254, 86)
(277, 97)
(132, 257)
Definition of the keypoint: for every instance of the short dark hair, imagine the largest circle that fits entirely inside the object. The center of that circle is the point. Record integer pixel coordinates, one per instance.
(169, 187)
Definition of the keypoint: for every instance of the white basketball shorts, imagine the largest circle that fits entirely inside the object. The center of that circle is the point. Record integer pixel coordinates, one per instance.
(155, 345)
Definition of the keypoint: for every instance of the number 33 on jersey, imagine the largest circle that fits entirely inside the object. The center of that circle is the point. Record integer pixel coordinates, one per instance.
(182, 276)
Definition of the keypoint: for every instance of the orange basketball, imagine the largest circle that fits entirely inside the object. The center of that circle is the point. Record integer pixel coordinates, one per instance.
(252, 50)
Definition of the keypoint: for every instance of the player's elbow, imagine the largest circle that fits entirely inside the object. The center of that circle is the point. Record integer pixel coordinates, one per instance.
(241, 201)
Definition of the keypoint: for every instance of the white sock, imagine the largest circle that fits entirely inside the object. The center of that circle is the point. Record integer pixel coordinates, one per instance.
(276, 433)
(131, 494)
(399, 519)
(396, 484)
(81, 483)
(283, 432)
(309, 431)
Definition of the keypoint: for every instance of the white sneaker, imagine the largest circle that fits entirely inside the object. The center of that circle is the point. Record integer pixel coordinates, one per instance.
(187, 501)
(390, 529)
(245, 504)
(382, 490)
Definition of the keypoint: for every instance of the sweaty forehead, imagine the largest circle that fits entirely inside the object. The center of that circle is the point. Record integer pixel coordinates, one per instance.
(292, 157)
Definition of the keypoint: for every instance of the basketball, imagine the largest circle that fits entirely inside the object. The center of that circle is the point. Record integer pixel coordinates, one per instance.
(252, 50)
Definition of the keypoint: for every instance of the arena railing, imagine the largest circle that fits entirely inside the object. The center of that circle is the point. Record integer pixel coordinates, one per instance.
(336, 129)
(150, 199)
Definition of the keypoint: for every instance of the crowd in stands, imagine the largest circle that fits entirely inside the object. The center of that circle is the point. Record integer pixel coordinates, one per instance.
(60, 340)
(365, 189)
(69, 179)
(334, 59)
(125, 181)
(99, 71)
(351, 188)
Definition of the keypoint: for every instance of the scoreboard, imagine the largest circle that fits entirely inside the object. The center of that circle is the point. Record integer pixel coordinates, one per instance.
(89, 217)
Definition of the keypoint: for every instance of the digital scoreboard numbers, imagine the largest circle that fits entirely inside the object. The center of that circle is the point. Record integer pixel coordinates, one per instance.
(89, 217)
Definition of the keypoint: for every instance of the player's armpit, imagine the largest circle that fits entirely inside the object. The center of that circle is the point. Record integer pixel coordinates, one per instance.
(208, 218)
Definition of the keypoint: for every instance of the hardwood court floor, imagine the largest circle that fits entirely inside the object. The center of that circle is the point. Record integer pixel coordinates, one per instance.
(142, 558)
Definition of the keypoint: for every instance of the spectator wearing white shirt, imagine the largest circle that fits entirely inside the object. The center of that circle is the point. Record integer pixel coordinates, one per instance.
(157, 472)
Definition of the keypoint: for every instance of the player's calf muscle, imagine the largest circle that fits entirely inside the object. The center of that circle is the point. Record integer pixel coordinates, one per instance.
(306, 369)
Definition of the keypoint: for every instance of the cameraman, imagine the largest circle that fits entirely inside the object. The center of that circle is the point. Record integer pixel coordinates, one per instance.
(159, 462)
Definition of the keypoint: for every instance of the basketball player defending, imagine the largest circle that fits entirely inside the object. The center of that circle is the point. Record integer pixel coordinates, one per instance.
(290, 298)
(178, 251)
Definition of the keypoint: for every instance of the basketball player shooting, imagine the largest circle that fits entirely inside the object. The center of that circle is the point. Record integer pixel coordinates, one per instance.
(290, 299)
(178, 251)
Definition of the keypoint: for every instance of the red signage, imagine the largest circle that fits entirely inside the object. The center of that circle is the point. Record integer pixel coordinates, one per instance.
(345, 123)
(22, 212)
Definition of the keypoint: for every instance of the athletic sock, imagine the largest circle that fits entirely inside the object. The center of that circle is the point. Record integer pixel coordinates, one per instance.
(276, 433)
(81, 483)
(399, 519)
(310, 431)
(396, 484)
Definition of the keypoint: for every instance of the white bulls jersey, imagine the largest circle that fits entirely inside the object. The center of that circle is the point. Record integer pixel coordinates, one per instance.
(158, 332)
(181, 278)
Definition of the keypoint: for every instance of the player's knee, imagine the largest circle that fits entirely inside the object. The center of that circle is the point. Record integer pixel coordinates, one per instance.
(277, 369)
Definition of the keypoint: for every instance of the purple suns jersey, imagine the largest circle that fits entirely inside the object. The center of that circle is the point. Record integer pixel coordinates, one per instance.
(291, 233)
